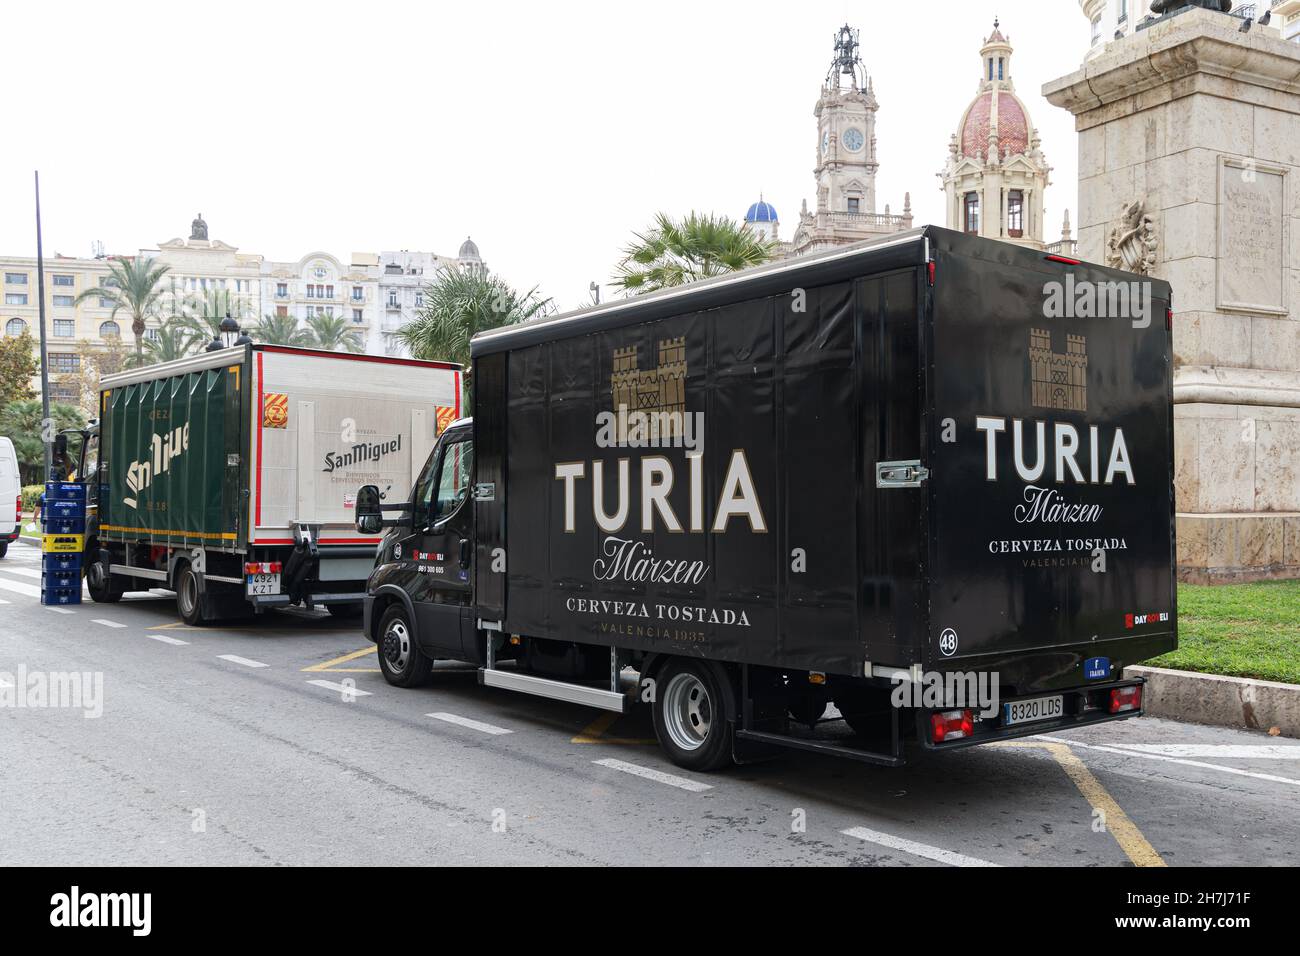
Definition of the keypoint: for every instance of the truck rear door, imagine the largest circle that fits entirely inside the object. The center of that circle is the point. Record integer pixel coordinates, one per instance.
(1051, 449)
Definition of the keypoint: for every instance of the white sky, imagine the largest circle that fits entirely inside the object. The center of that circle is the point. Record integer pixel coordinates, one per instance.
(547, 131)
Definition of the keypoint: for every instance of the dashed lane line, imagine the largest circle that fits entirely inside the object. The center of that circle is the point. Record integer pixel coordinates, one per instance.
(343, 689)
(236, 659)
(164, 639)
(25, 572)
(471, 724)
(681, 783)
(923, 850)
(60, 610)
(105, 622)
(18, 587)
(1142, 755)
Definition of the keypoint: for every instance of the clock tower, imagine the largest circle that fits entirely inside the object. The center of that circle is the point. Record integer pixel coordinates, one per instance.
(846, 162)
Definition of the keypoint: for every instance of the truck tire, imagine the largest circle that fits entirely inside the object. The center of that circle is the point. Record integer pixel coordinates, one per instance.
(400, 658)
(104, 588)
(4, 548)
(189, 597)
(691, 716)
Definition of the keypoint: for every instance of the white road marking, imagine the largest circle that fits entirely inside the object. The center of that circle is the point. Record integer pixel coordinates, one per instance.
(27, 590)
(339, 688)
(164, 639)
(471, 724)
(25, 572)
(3, 601)
(1225, 751)
(681, 783)
(924, 850)
(236, 659)
(1272, 778)
(5, 683)
(106, 623)
(60, 610)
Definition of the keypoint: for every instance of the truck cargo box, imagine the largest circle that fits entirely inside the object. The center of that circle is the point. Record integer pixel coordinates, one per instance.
(926, 452)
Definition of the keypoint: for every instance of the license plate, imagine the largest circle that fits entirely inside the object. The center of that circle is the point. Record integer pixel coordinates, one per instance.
(262, 584)
(1027, 711)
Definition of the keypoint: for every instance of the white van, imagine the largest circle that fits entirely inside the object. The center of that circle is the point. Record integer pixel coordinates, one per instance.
(11, 491)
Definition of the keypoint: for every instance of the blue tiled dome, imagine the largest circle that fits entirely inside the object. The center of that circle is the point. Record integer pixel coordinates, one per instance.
(761, 212)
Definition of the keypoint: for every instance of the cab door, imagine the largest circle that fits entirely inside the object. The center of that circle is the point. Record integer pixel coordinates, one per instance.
(439, 552)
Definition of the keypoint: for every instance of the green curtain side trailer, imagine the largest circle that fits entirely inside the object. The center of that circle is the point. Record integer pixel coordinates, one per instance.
(230, 477)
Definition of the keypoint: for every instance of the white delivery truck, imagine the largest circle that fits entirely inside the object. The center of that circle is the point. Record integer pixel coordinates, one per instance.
(231, 477)
(11, 491)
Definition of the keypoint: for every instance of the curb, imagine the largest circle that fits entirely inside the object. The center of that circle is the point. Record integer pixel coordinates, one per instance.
(1240, 702)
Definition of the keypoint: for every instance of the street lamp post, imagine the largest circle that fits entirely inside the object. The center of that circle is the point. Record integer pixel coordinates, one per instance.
(229, 336)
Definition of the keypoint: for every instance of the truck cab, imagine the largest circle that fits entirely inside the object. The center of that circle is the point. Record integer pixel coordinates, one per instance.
(419, 604)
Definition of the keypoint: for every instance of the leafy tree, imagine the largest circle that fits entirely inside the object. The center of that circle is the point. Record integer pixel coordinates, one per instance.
(203, 314)
(279, 330)
(134, 285)
(332, 333)
(18, 365)
(21, 421)
(674, 252)
(176, 339)
(457, 306)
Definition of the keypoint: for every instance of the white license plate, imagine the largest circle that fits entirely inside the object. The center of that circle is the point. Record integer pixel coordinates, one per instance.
(1027, 711)
(262, 584)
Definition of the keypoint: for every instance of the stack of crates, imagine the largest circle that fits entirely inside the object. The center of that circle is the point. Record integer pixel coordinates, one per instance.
(63, 539)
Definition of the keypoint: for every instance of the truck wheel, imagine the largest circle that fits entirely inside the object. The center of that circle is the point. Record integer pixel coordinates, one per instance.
(104, 587)
(4, 548)
(691, 718)
(400, 657)
(189, 602)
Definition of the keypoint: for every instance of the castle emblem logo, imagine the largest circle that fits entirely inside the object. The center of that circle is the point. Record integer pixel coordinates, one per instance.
(1059, 380)
(658, 393)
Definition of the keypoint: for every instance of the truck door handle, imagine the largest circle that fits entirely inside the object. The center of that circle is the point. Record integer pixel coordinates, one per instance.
(901, 474)
(464, 552)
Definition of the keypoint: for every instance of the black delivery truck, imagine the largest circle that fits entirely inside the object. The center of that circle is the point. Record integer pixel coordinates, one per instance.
(926, 480)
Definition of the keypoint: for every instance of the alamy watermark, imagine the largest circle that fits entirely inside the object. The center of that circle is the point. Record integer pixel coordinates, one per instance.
(1085, 299)
(41, 690)
(941, 690)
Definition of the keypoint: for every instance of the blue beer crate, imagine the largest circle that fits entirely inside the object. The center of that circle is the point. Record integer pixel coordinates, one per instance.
(64, 508)
(61, 562)
(58, 580)
(61, 595)
(65, 491)
(52, 525)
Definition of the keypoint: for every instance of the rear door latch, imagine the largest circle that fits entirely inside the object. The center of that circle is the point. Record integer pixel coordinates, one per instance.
(900, 474)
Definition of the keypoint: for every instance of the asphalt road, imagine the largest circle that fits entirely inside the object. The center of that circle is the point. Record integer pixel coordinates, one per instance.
(278, 742)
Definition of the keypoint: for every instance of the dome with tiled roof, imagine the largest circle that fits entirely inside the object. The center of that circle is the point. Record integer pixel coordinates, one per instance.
(996, 108)
(761, 211)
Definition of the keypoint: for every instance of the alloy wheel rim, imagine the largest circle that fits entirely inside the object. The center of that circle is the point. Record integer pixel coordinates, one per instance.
(397, 646)
(688, 711)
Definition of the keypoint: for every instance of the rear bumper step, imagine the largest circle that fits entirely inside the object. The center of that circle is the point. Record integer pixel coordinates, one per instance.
(553, 689)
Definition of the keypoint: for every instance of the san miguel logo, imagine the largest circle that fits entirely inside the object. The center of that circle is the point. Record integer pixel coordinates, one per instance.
(362, 453)
(164, 448)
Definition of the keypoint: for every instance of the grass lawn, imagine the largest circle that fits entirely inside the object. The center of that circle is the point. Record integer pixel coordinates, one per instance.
(1241, 630)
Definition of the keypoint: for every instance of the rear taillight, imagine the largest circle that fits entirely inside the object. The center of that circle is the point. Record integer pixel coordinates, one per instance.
(930, 271)
(262, 567)
(18, 510)
(951, 725)
(1125, 698)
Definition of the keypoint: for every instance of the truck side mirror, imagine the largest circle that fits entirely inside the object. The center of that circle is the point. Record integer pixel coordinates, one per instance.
(370, 517)
(60, 444)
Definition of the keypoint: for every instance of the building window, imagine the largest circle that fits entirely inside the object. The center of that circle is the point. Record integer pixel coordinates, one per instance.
(109, 330)
(1001, 68)
(855, 205)
(357, 293)
(329, 292)
(15, 327)
(419, 296)
(15, 298)
(281, 311)
(65, 328)
(990, 69)
(64, 394)
(65, 362)
(320, 310)
(151, 335)
(1015, 214)
(281, 290)
(68, 281)
(1096, 31)
(972, 217)
(15, 278)
(358, 316)
(64, 301)
(392, 299)
(106, 303)
(1123, 10)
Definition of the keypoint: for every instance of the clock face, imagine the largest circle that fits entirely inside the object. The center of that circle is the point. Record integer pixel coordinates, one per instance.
(853, 140)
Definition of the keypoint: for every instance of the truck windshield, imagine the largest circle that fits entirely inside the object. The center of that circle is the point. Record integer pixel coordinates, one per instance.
(444, 487)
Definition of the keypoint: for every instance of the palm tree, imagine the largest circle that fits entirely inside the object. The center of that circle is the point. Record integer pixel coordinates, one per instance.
(131, 284)
(202, 314)
(331, 332)
(279, 330)
(175, 339)
(674, 252)
(457, 306)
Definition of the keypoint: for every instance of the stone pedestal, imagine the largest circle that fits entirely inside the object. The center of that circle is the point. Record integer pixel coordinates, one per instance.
(1201, 124)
